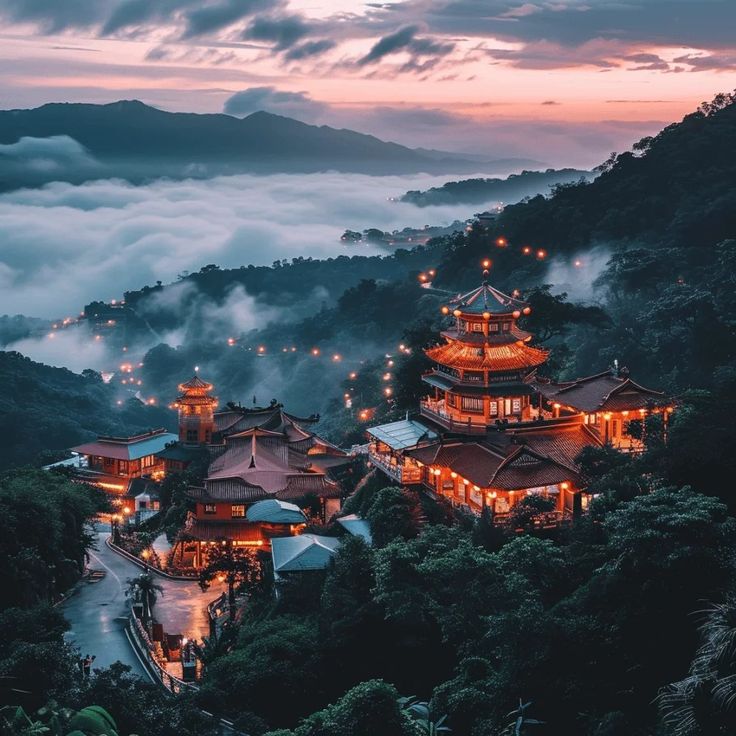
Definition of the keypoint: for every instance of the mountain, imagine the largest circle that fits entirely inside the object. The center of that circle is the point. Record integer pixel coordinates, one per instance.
(491, 191)
(44, 410)
(75, 142)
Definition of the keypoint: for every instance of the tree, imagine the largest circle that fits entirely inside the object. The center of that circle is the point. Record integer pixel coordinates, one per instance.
(367, 709)
(702, 703)
(143, 589)
(238, 568)
(393, 512)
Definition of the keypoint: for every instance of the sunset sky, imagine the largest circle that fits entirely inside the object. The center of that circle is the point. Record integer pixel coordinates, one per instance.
(561, 82)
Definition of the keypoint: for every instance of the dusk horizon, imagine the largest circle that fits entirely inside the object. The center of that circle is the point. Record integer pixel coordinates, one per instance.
(367, 368)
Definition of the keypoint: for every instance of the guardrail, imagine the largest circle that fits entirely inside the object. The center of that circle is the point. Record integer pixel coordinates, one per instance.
(145, 566)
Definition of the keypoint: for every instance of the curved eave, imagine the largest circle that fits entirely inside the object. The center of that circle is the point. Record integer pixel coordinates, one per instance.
(515, 356)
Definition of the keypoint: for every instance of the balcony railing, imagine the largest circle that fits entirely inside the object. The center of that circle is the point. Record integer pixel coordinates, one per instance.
(441, 417)
(400, 473)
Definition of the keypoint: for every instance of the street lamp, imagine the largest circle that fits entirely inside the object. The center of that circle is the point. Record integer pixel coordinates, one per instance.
(145, 554)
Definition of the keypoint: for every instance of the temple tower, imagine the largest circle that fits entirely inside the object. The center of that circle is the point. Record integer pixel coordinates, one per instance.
(484, 369)
(196, 412)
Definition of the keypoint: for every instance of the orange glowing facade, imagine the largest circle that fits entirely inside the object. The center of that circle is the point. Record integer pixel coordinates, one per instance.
(484, 369)
(196, 408)
(492, 432)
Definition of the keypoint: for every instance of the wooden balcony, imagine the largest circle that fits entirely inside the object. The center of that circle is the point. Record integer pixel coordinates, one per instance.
(435, 411)
(403, 474)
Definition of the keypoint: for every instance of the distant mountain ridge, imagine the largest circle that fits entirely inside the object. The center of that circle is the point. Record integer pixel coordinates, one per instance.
(137, 142)
(488, 191)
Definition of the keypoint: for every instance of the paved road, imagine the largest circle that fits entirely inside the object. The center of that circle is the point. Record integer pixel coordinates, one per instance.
(98, 611)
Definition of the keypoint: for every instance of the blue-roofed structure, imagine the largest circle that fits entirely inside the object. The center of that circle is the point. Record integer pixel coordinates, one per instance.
(402, 434)
(302, 553)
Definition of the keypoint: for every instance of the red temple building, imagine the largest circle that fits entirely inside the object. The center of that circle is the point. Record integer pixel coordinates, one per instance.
(492, 431)
(196, 408)
(268, 475)
(118, 465)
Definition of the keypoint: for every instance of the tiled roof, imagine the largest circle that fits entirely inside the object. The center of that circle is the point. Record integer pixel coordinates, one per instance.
(212, 531)
(487, 299)
(196, 383)
(563, 443)
(303, 552)
(274, 511)
(506, 388)
(602, 392)
(127, 448)
(402, 434)
(511, 357)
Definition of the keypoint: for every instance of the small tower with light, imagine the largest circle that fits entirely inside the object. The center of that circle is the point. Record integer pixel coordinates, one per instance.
(196, 407)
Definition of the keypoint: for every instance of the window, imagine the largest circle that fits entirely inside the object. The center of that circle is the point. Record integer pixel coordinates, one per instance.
(516, 406)
(493, 327)
(123, 466)
(210, 508)
(238, 511)
(470, 403)
(148, 461)
(477, 327)
(494, 408)
(192, 435)
(506, 326)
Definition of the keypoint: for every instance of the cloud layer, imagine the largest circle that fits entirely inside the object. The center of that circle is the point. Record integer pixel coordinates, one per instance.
(65, 245)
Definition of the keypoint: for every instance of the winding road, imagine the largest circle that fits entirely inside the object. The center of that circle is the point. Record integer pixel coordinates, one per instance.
(98, 611)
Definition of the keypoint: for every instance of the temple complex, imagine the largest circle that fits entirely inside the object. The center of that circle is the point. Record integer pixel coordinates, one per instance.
(491, 430)
(268, 474)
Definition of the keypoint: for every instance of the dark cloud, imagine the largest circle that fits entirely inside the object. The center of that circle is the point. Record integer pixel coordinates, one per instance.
(291, 104)
(647, 62)
(550, 102)
(310, 48)
(708, 62)
(426, 53)
(214, 17)
(283, 32)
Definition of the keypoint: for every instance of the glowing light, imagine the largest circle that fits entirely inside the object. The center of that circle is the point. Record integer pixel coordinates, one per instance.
(386, 376)
(457, 312)
(578, 264)
(336, 357)
(119, 402)
(516, 314)
(231, 341)
(353, 376)
(51, 335)
(607, 415)
(476, 488)
(261, 349)
(445, 310)
(315, 351)
(196, 369)
(526, 250)
(390, 363)
(388, 391)
(453, 474)
(486, 315)
(541, 254)
(564, 485)
(501, 242)
(431, 272)
(527, 310)
(486, 263)
(402, 347)
(363, 414)
(423, 277)
(151, 401)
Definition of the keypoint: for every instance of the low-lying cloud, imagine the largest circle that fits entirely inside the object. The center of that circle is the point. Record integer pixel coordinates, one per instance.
(66, 245)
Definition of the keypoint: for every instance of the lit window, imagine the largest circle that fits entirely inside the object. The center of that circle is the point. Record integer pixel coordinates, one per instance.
(238, 511)
(516, 406)
(494, 408)
(210, 508)
(493, 326)
(477, 327)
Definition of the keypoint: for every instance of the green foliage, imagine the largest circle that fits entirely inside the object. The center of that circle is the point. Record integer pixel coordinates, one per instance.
(369, 708)
(393, 512)
(51, 409)
(43, 534)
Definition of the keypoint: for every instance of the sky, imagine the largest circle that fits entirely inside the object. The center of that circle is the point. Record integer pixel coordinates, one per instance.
(560, 82)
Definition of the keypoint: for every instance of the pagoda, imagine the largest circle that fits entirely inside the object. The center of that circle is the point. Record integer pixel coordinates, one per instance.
(196, 408)
(493, 431)
(485, 368)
